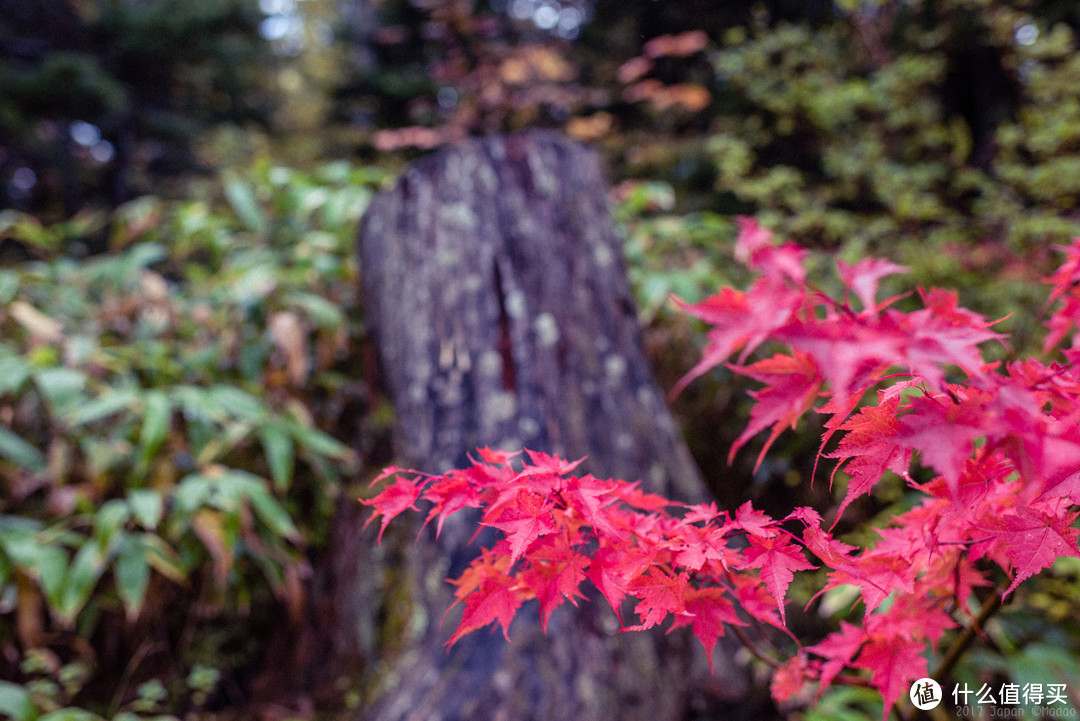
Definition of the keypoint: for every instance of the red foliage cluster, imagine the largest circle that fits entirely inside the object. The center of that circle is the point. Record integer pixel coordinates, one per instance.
(1002, 441)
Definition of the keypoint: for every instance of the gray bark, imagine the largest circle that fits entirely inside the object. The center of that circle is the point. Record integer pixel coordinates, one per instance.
(496, 295)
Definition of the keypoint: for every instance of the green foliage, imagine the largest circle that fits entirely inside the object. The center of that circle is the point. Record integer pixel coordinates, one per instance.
(163, 407)
(856, 152)
(823, 141)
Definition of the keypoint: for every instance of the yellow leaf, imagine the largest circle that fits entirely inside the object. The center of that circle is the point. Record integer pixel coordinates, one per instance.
(41, 327)
(290, 337)
(209, 526)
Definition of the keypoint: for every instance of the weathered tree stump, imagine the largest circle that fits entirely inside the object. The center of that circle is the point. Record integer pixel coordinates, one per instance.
(498, 300)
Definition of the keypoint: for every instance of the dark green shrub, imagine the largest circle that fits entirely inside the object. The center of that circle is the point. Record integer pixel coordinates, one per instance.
(162, 467)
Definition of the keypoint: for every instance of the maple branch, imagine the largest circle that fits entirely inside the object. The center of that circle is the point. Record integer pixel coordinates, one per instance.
(753, 649)
(990, 606)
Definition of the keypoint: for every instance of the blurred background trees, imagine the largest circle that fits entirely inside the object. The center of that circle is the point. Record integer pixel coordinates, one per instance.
(102, 101)
(218, 154)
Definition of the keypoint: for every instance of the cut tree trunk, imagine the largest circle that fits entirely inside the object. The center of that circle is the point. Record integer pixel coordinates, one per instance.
(497, 298)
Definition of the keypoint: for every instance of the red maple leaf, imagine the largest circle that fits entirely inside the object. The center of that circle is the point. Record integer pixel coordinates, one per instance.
(862, 278)
(547, 463)
(877, 576)
(838, 649)
(1068, 274)
(659, 592)
(756, 600)
(778, 559)
(394, 499)
(852, 352)
(525, 519)
(496, 457)
(695, 546)
(1006, 447)
(589, 497)
(490, 594)
(1030, 540)
(943, 429)
(792, 386)
(707, 610)
(871, 449)
(831, 552)
(894, 661)
(754, 522)
(789, 680)
(756, 248)
(555, 573)
(449, 494)
(612, 567)
(743, 321)
(943, 333)
(1064, 320)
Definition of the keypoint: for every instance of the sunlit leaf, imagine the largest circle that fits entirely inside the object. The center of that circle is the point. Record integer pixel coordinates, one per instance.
(192, 492)
(237, 403)
(39, 325)
(209, 526)
(162, 557)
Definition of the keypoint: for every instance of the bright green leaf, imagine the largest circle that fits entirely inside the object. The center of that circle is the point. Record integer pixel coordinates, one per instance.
(192, 492)
(15, 702)
(70, 714)
(321, 310)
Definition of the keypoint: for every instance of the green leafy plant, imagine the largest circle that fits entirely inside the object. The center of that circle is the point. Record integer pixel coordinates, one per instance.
(162, 408)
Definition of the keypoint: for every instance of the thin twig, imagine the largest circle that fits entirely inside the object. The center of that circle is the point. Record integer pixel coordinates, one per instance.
(990, 606)
(772, 662)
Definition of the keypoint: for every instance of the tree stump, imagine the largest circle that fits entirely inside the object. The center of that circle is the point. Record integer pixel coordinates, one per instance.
(498, 301)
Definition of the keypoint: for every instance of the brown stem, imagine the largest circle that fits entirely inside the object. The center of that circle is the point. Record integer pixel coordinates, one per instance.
(990, 606)
(772, 662)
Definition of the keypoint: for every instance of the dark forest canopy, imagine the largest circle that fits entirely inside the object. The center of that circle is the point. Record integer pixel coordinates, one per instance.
(100, 99)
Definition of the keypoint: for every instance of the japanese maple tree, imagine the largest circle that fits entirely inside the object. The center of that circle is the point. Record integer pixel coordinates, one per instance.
(1000, 443)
